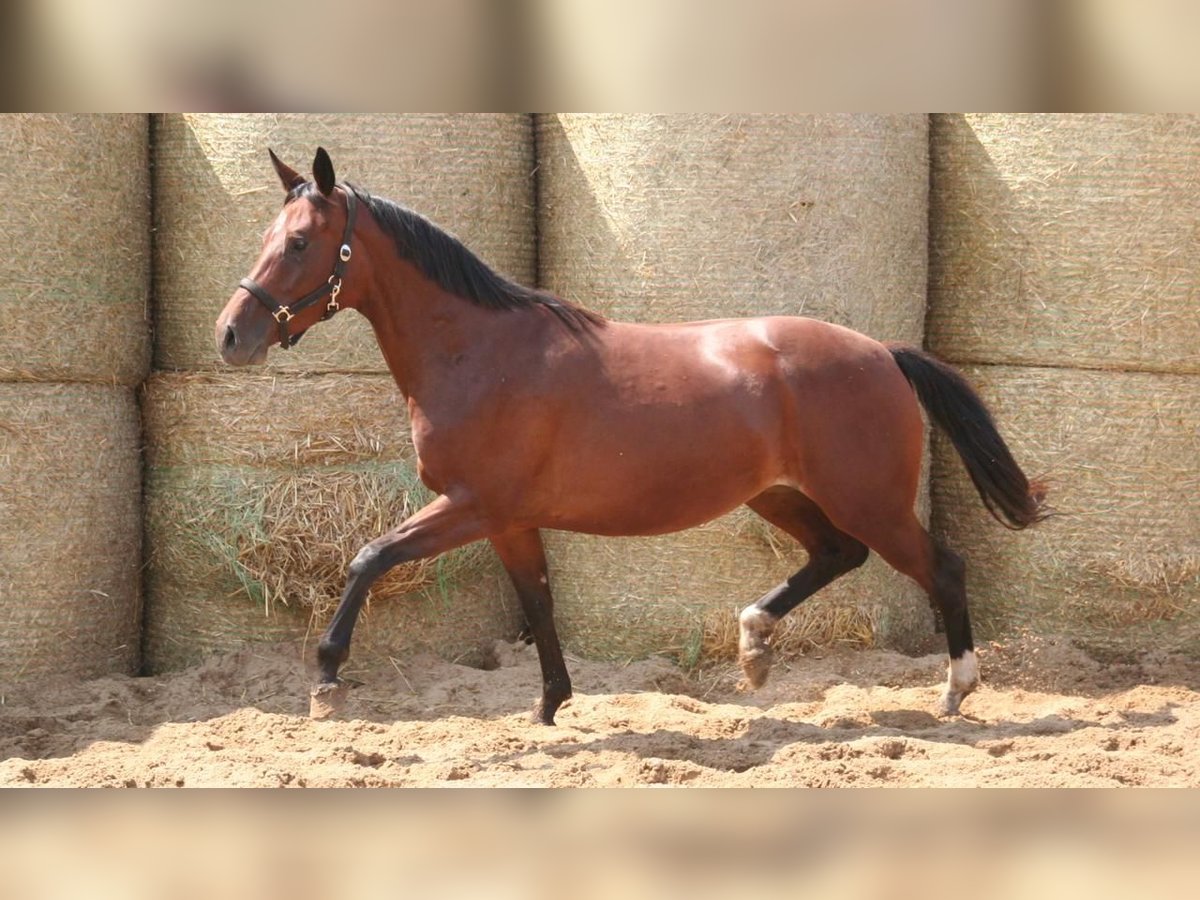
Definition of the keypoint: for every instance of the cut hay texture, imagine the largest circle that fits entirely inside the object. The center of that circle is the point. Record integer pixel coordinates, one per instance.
(261, 489)
(75, 225)
(217, 193)
(70, 531)
(1066, 240)
(1119, 568)
(671, 218)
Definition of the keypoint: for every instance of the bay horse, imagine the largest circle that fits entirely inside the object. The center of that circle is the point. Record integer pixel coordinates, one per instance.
(530, 412)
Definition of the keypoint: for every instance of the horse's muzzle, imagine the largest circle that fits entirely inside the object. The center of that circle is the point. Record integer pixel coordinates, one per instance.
(235, 350)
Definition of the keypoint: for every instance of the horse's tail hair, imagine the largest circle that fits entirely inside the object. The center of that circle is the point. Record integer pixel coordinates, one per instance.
(953, 406)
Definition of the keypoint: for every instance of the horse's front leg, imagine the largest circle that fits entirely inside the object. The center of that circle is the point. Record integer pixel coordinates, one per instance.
(444, 524)
(525, 560)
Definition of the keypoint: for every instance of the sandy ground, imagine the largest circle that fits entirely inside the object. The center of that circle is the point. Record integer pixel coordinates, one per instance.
(1047, 715)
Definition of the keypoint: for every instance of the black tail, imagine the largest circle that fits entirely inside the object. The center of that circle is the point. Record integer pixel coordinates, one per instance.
(954, 407)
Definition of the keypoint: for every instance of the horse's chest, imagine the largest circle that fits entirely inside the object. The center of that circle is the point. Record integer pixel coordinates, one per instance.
(441, 445)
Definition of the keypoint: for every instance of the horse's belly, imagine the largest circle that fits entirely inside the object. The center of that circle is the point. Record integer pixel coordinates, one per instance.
(649, 489)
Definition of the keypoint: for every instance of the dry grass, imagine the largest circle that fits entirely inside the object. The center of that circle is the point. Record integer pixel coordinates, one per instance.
(75, 223)
(70, 530)
(261, 489)
(292, 542)
(241, 553)
(812, 627)
(216, 192)
(284, 478)
(1064, 241)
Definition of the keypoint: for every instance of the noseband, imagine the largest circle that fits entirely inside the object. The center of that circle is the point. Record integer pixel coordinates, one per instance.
(284, 314)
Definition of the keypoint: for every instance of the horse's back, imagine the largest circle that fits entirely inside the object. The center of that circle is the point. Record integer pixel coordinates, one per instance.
(665, 426)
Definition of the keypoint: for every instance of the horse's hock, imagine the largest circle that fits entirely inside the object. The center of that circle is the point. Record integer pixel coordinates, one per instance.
(75, 341)
(1063, 278)
(672, 218)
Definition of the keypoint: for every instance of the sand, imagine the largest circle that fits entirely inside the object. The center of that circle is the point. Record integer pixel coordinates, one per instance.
(1047, 715)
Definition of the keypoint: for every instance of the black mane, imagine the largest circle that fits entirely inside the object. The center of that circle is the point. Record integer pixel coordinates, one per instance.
(454, 267)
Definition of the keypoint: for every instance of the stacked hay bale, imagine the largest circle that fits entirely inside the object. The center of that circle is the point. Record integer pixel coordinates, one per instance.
(73, 298)
(1063, 270)
(669, 218)
(261, 487)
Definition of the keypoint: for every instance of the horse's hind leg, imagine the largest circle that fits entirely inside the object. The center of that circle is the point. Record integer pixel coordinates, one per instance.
(909, 549)
(525, 560)
(831, 553)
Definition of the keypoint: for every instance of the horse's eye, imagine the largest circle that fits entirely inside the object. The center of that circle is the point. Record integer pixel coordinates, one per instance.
(297, 244)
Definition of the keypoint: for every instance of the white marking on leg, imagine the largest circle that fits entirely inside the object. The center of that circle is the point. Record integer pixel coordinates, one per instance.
(755, 627)
(962, 678)
(964, 673)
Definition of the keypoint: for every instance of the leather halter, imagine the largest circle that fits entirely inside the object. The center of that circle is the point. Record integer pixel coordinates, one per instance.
(284, 314)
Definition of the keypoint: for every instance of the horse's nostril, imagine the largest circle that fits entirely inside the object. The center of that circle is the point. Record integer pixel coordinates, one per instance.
(230, 340)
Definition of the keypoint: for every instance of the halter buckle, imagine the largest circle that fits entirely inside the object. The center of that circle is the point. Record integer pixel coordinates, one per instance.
(283, 315)
(344, 253)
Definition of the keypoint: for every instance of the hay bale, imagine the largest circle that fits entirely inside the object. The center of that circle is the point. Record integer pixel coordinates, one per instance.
(668, 218)
(1119, 568)
(1065, 240)
(70, 531)
(75, 223)
(216, 192)
(260, 490)
(661, 218)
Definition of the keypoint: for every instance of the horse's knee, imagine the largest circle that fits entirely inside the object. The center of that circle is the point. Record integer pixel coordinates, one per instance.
(366, 562)
(845, 556)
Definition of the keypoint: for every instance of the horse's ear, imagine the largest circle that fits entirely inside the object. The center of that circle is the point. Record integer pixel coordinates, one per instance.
(289, 176)
(323, 172)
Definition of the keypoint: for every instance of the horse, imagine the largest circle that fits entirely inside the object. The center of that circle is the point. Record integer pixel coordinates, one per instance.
(529, 411)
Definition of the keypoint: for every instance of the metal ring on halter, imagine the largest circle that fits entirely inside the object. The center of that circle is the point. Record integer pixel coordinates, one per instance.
(344, 253)
(285, 312)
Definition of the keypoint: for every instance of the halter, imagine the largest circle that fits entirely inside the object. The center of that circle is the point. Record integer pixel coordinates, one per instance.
(284, 314)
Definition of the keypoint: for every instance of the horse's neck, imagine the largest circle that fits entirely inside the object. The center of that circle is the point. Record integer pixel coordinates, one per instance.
(428, 336)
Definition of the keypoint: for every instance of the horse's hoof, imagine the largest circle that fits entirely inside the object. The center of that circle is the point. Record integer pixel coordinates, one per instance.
(327, 699)
(755, 656)
(543, 713)
(962, 679)
(756, 666)
(950, 704)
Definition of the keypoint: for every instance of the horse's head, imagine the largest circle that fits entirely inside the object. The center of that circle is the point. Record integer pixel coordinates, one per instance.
(297, 280)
